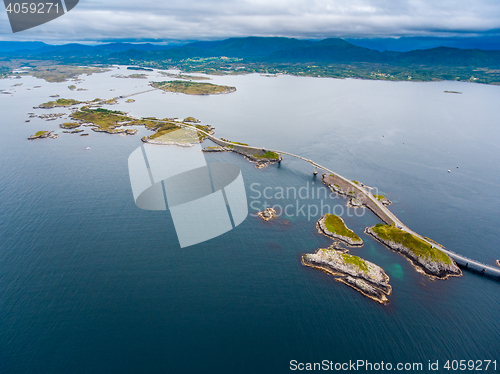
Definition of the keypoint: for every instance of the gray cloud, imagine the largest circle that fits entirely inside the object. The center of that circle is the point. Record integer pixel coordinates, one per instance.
(214, 19)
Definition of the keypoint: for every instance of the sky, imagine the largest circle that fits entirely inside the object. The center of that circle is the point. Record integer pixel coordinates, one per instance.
(218, 19)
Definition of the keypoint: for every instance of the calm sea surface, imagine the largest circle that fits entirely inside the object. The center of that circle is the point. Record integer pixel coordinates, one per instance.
(89, 283)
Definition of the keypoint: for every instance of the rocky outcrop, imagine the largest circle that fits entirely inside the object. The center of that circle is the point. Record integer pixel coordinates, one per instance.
(41, 135)
(323, 230)
(364, 276)
(427, 266)
(386, 201)
(267, 214)
(116, 131)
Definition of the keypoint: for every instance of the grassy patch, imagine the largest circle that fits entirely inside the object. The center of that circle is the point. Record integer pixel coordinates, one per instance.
(59, 103)
(163, 129)
(138, 76)
(335, 225)
(379, 197)
(356, 261)
(355, 182)
(104, 118)
(416, 245)
(192, 88)
(191, 119)
(270, 155)
(40, 133)
(70, 125)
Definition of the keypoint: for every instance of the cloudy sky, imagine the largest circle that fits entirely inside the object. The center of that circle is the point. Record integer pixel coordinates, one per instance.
(217, 19)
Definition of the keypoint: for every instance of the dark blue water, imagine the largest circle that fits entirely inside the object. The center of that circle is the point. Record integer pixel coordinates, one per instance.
(91, 284)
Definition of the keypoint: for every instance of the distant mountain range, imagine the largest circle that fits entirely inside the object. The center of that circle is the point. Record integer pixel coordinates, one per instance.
(330, 57)
(256, 49)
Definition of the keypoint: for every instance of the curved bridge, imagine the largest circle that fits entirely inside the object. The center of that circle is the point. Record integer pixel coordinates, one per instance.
(464, 261)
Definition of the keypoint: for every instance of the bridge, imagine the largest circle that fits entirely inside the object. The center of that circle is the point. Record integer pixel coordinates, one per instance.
(464, 261)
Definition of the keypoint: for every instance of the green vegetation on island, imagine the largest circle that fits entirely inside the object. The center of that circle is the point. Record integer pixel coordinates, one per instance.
(43, 134)
(163, 128)
(232, 144)
(414, 244)
(105, 119)
(269, 155)
(364, 276)
(59, 103)
(112, 121)
(379, 197)
(336, 225)
(191, 120)
(193, 88)
(70, 125)
(356, 261)
(137, 76)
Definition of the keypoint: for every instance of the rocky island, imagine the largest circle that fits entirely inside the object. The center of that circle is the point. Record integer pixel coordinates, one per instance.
(193, 88)
(335, 228)
(43, 134)
(64, 103)
(426, 258)
(267, 214)
(364, 276)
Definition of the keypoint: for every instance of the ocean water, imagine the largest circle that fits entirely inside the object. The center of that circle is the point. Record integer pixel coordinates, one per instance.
(89, 283)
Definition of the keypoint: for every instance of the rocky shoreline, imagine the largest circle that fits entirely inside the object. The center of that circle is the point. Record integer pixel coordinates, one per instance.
(323, 230)
(163, 142)
(366, 278)
(431, 268)
(113, 131)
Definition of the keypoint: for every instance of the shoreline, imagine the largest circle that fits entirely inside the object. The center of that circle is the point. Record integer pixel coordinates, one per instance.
(375, 289)
(418, 262)
(320, 225)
